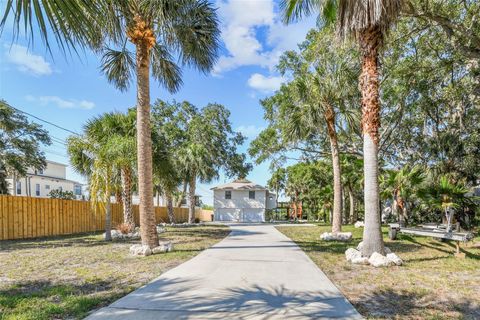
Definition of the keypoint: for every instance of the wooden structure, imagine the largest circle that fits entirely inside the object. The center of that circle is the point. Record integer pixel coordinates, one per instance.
(31, 217)
(443, 232)
(294, 209)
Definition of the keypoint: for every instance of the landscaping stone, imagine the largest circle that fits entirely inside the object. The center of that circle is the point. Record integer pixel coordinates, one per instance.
(360, 260)
(394, 258)
(351, 254)
(359, 224)
(166, 246)
(360, 246)
(140, 250)
(339, 236)
(377, 260)
(160, 229)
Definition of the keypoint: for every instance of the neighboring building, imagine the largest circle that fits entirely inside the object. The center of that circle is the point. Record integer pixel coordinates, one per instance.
(161, 200)
(242, 201)
(39, 183)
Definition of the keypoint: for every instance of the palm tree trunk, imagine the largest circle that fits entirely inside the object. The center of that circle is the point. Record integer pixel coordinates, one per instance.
(148, 229)
(401, 211)
(108, 218)
(191, 191)
(370, 40)
(337, 174)
(182, 196)
(126, 176)
(170, 212)
(351, 198)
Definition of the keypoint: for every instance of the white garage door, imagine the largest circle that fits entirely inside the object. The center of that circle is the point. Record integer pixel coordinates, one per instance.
(227, 215)
(253, 215)
(239, 215)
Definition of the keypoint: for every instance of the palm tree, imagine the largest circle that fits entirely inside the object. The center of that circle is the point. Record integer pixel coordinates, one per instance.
(368, 22)
(91, 160)
(352, 178)
(446, 195)
(157, 29)
(277, 183)
(401, 185)
(321, 93)
(115, 132)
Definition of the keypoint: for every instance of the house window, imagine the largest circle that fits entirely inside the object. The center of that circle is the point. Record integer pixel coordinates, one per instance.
(37, 190)
(47, 187)
(251, 194)
(228, 194)
(77, 190)
(19, 187)
(40, 171)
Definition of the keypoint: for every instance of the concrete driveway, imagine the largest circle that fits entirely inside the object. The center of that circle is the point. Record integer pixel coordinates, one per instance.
(254, 273)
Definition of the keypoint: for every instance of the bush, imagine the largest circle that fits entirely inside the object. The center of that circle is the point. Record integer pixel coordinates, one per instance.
(59, 194)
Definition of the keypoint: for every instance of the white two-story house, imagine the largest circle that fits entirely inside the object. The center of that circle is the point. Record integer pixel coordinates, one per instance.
(39, 183)
(242, 201)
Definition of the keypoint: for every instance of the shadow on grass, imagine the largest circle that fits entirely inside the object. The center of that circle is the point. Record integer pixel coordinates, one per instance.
(440, 247)
(391, 304)
(76, 240)
(47, 300)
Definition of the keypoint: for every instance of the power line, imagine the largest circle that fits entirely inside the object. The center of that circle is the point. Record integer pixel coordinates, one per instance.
(50, 123)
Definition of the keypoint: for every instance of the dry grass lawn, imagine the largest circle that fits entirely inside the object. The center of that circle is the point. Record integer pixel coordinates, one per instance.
(66, 277)
(432, 284)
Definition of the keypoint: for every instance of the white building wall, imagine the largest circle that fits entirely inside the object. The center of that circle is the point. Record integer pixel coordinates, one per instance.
(52, 178)
(239, 199)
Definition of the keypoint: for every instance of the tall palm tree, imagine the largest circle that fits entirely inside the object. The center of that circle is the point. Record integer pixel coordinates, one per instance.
(158, 30)
(367, 21)
(321, 93)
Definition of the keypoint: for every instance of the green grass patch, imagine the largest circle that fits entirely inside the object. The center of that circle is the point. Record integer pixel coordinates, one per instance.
(432, 284)
(68, 277)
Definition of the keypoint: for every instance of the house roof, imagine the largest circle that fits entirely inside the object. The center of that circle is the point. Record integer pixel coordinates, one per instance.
(240, 184)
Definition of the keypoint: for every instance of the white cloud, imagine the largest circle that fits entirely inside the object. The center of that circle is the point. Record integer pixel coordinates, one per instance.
(265, 84)
(243, 25)
(249, 131)
(26, 61)
(61, 103)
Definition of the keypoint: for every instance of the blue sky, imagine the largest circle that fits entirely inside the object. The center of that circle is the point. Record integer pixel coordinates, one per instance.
(69, 91)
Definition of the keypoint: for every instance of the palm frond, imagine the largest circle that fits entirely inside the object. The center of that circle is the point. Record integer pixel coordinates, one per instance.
(72, 23)
(118, 66)
(165, 70)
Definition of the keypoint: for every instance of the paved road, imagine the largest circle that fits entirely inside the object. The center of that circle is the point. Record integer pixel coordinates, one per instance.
(254, 273)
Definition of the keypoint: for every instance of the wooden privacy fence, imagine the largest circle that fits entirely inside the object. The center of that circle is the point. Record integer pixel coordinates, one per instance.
(29, 217)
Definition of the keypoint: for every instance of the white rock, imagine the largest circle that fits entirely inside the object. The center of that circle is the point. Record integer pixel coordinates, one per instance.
(360, 246)
(160, 229)
(360, 260)
(339, 236)
(394, 259)
(359, 224)
(377, 260)
(352, 254)
(166, 246)
(140, 250)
